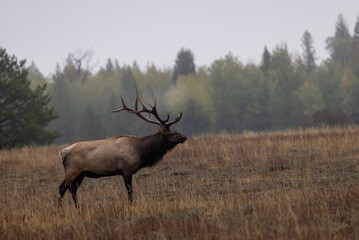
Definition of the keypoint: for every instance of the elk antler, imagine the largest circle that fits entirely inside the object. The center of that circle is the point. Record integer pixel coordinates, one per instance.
(152, 111)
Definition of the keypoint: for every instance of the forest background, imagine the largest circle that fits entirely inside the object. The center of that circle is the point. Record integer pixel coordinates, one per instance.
(284, 91)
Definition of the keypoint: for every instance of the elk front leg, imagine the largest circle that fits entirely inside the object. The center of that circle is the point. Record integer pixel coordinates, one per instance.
(128, 184)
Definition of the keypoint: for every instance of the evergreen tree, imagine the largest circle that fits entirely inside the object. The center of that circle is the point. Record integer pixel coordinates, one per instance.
(255, 115)
(356, 30)
(117, 66)
(354, 58)
(62, 99)
(128, 85)
(229, 93)
(266, 61)
(109, 66)
(24, 113)
(308, 52)
(35, 76)
(91, 127)
(284, 105)
(327, 78)
(349, 92)
(70, 72)
(107, 71)
(341, 28)
(311, 98)
(340, 45)
(184, 64)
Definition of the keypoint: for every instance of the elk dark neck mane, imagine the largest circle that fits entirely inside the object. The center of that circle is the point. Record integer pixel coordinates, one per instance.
(153, 148)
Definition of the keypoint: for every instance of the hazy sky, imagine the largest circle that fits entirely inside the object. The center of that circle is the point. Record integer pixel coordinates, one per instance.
(153, 31)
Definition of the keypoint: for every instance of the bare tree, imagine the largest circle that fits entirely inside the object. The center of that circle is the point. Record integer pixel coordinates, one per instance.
(81, 59)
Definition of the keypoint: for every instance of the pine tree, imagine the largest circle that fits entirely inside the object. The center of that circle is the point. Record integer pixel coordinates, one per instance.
(308, 52)
(284, 105)
(340, 45)
(356, 30)
(354, 58)
(24, 113)
(109, 66)
(63, 94)
(341, 28)
(184, 64)
(35, 76)
(230, 93)
(266, 61)
(128, 84)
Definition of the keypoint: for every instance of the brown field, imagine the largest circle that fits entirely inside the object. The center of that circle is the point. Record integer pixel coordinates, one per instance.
(281, 185)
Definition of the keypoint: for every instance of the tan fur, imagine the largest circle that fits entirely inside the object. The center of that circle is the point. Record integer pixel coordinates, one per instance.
(102, 157)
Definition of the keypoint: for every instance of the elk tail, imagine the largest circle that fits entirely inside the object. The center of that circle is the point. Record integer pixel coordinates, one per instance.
(64, 153)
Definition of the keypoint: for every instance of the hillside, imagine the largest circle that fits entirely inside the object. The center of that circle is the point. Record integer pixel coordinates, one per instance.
(276, 185)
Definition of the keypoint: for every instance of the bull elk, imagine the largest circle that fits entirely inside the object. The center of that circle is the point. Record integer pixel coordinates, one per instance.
(121, 155)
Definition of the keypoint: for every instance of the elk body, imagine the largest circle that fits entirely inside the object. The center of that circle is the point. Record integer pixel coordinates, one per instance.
(121, 155)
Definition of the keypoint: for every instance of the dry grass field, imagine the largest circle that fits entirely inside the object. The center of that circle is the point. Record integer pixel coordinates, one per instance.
(280, 185)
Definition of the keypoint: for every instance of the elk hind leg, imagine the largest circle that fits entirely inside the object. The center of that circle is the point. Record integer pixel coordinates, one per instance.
(62, 190)
(64, 186)
(74, 185)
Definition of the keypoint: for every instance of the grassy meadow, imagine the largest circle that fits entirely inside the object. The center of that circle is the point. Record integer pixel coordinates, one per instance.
(278, 185)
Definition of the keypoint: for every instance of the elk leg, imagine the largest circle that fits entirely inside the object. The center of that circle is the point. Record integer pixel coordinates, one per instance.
(62, 190)
(64, 186)
(128, 184)
(74, 185)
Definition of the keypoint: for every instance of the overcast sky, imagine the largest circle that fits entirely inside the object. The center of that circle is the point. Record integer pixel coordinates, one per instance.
(153, 31)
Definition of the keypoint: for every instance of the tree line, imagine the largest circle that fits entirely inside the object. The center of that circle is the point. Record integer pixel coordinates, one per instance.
(284, 91)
